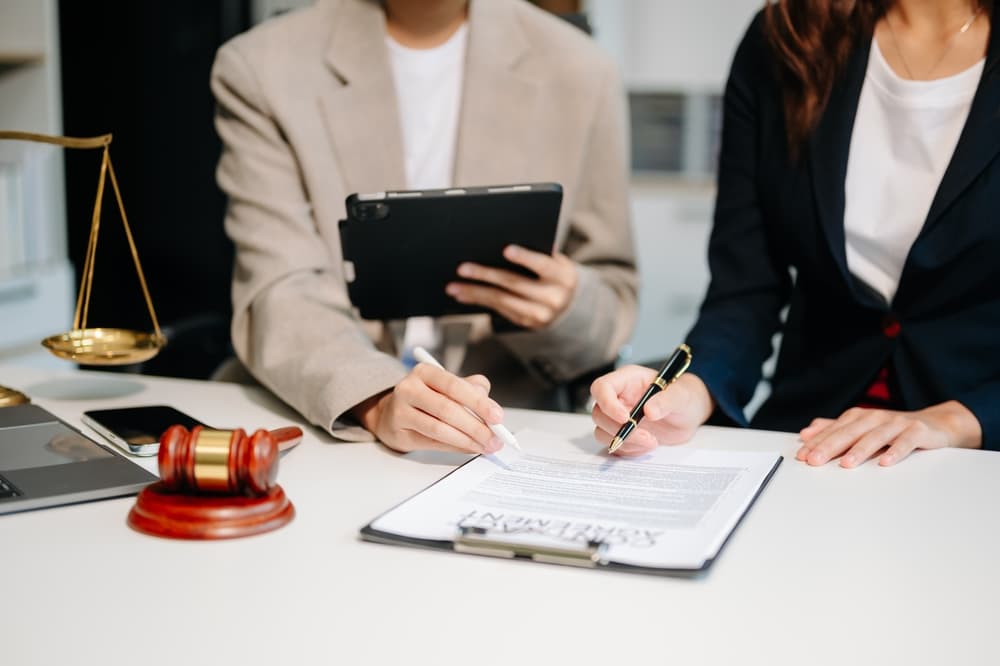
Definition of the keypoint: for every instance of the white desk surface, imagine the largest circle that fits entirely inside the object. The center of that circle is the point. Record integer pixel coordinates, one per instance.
(868, 566)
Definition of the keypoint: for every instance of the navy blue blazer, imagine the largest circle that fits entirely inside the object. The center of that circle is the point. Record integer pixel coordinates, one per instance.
(778, 240)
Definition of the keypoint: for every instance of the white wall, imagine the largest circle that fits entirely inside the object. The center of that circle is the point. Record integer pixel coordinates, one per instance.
(683, 47)
(672, 44)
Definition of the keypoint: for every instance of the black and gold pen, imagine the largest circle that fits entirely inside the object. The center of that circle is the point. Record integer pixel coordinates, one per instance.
(668, 374)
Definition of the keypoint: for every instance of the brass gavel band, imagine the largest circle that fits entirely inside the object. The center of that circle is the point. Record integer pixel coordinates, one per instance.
(211, 460)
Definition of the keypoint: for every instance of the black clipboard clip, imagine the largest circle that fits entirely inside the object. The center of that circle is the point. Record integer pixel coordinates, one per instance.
(480, 541)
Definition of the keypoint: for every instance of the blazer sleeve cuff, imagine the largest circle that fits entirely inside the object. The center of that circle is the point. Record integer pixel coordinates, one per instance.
(728, 410)
(332, 408)
(983, 404)
(346, 429)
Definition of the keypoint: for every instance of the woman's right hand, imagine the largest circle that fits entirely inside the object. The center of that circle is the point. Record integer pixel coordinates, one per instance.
(670, 417)
(427, 410)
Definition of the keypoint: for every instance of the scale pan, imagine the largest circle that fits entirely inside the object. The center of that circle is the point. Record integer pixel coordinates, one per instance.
(105, 346)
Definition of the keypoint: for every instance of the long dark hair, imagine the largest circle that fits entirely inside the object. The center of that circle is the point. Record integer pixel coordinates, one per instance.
(812, 40)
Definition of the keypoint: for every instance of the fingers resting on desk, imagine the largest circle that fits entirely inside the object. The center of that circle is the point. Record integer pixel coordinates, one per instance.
(860, 434)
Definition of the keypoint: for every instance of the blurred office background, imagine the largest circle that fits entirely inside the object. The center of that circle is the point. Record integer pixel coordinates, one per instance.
(140, 70)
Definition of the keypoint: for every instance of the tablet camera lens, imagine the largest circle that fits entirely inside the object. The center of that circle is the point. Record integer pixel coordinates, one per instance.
(366, 212)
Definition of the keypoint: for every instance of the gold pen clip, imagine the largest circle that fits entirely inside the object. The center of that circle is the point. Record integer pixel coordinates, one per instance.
(687, 363)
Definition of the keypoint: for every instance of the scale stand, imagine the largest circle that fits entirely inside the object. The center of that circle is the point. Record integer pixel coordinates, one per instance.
(95, 346)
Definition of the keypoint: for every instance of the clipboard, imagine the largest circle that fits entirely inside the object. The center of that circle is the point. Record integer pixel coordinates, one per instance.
(592, 554)
(401, 248)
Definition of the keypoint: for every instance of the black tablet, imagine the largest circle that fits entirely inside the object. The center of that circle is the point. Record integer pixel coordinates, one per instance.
(401, 248)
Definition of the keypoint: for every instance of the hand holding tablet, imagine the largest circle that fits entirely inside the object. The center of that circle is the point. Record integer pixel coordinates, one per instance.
(402, 249)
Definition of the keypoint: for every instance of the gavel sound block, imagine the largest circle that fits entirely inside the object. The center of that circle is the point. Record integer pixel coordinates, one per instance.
(215, 484)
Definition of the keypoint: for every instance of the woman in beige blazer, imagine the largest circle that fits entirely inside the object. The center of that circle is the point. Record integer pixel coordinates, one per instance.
(308, 112)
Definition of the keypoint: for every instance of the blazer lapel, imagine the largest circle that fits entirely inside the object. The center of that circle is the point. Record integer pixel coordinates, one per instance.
(498, 100)
(829, 148)
(979, 142)
(360, 106)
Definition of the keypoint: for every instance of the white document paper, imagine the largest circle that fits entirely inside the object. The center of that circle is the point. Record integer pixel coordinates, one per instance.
(673, 508)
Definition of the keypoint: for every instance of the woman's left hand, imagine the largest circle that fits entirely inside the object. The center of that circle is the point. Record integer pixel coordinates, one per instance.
(529, 302)
(860, 433)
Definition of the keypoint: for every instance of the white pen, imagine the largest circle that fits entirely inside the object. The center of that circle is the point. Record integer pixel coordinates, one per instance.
(506, 436)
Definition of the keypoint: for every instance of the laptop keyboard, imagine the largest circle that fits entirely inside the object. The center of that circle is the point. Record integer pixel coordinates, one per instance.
(7, 490)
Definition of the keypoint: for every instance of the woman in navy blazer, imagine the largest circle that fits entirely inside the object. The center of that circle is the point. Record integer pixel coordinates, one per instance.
(924, 365)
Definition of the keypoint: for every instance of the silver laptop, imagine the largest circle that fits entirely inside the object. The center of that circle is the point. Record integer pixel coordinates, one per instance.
(45, 462)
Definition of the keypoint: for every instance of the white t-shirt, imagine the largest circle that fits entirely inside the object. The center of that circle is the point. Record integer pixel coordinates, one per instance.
(905, 133)
(429, 92)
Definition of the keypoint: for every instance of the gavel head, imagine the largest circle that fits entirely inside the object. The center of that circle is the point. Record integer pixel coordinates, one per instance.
(228, 462)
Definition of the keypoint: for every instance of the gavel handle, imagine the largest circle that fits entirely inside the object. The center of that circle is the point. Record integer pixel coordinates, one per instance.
(287, 437)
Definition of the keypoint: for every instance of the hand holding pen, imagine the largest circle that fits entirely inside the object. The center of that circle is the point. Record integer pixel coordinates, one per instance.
(632, 406)
(430, 408)
(499, 429)
(672, 369)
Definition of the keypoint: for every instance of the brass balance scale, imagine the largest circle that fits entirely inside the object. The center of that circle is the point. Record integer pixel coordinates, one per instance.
(95, 346)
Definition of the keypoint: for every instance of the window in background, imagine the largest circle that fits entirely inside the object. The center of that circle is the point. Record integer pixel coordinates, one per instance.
(675, 133)
(657, 121)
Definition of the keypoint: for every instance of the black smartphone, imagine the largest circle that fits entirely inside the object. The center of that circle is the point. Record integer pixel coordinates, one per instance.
(137, 430)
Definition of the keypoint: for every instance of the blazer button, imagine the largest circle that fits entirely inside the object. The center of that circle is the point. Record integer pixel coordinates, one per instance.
(891, 326)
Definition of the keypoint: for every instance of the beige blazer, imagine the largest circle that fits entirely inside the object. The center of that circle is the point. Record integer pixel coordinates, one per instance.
(307, 114)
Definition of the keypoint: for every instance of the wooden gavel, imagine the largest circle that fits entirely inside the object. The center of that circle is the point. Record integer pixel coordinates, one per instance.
(226, 462)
